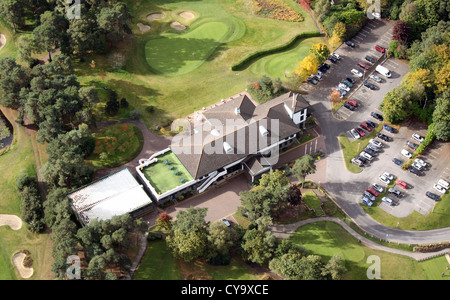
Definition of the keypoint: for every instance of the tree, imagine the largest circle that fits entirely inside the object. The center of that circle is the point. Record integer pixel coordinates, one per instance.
(164, 221)
(334, 269)
(258, 202)
(308, 65)
(303, 166)
(273, 180)
(441, 116)
(220, 239)
(320, 51)
(47, 38)
(397, 105)
(187, 245)
(401, 31)
(12, 79)
(258, 246)
(25, 45)
(13, 12)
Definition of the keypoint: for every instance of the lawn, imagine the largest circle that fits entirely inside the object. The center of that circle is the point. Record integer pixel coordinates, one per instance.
(115, 145)
(327, 239)
(162, 173)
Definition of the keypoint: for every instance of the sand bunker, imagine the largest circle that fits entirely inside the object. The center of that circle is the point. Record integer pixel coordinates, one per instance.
(154, 17)
(177, 26)
(2, 41)
(14, 222)
(143, 28)
(18, 259)
(187, 15)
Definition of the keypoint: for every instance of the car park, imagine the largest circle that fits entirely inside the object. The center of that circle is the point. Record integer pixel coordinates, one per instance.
(439, 188)
(380, 48)
(401, 183)
(363, 65)
(366, 201)
(418, 137)
(352, 103)
(369, 196)
(444, 184)
(387, 200)
(406, 153)
(366, 155)
(355, 134)
(360, 131)
(383, 137)
(368, 85)
(370, 59)
(384, 179)
(432, 196)
(397, 161)
(377, 116)
(395, 192)
(373, 191)
(356, 73)
(375, 143)
(375, 77)
(412, 145)
(350, 44)
(388, 128)
(348, 106)
(378, 187)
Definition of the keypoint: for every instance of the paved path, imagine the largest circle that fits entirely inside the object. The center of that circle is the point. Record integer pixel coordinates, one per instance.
(285, 230)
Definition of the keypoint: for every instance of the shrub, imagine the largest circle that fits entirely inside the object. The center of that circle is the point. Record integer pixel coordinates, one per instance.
(135, 114)
(150, 108)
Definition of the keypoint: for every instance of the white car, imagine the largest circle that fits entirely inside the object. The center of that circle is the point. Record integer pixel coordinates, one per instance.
(420, 162)
(405, 153)
(384, 179)
(439, 188)
(356, 73)
(417, 166)
(376, 143)
(378, 187)
(375, 77)
(366, 155)
(387, 200)
(335, 55)
(389, 176)
(444, 184)
(225, 221)
(344, 87)
(355, 134)
(418, 137)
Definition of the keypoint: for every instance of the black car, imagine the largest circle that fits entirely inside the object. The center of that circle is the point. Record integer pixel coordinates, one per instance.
(377, 116)
(432, 196)
(383, 137)
(370, 59)
(370, 151)
(348, 106)
(351, 79)
(362, 158)
(397, 161)
(415, 171)
(350, 44)
(325, 65)
(369, 85)
(332, 59)
(371, 124)
(412, 145)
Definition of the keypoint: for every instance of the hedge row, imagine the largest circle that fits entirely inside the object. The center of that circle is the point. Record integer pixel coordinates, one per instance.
(241, 65)
(431, 248)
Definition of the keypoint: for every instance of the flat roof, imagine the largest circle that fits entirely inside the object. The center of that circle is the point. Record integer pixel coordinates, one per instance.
(113, 195)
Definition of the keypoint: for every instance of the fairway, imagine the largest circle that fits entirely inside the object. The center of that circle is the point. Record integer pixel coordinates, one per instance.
(176, 54)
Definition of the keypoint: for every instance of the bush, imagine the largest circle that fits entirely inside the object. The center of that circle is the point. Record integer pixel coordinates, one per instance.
(123, 103)
(135, 114)
(150, 108)
(153, 236)
(220, 260)
(25, 180)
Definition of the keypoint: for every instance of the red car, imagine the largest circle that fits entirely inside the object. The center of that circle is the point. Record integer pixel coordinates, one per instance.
(373, 191)
(352, 103)
(363, 65)
(360, 131)
(366, 127)
(401, 183)
(379, 48)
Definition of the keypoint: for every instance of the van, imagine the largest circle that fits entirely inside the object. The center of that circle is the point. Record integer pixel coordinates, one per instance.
(444, 184)
(383, 71)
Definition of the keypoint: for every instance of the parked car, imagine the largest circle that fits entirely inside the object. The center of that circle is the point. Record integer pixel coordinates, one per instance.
(350, 44)
(348, 106)
(373, 191)
(369, 85)
(366, 155)
(369, 196)
(312, 80)
(363, 159)
(355, 134)
(352, 103)
(335, 55)
(347, 83)
(373, 148)
(412, 145)
(387, 200)
(432, 196)
(421, 162)
(444, 184)
(360, 131)
(226, 222)
(401, 183)
(365, 126)
(417, 166)
(375, 77)
(332, 59)
(439, 188)
(415, 171)
(363, 65)
(318, 76)
(370, 151)
(380, 48)
(342, 91)
(357, 162)
(344, 87)
(389, 176)
(377, 116)
(418, 137)
(397, 161)
(378, 187)
(384, 179)
(406, 153)
(370, 59)
(371, 124)
(383, 137)
(376, 143)
(351, 79)
(366, 201)
(356, 73)
(388, 128)
(395, 192)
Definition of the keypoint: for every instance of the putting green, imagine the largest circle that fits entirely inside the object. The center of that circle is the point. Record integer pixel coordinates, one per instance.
(175, 54)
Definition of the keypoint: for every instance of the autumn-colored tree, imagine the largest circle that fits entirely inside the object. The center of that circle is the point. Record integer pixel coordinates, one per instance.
(320, 51)
(339, 31)
(164, 220)
(442, 78)
(335, 97)
(308, 65)
(401, 31)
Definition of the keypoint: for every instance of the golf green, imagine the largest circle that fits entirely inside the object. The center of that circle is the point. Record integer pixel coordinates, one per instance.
(175, 54)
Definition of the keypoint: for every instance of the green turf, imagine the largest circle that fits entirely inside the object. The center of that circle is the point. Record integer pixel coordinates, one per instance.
(161, 177)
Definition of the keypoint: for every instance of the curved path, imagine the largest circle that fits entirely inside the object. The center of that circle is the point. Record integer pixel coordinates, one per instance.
(285, 230)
